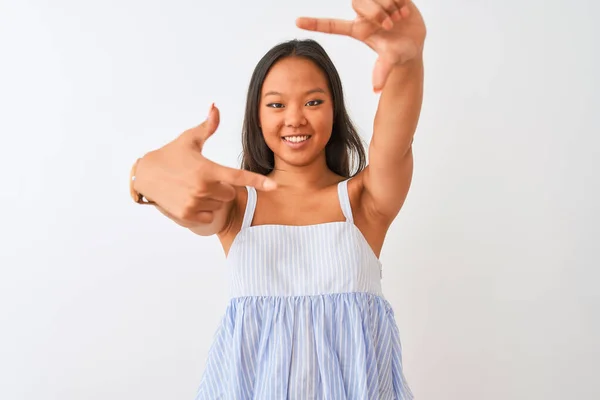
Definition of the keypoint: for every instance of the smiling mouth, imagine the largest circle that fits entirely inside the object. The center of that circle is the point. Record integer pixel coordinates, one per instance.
(296, 138)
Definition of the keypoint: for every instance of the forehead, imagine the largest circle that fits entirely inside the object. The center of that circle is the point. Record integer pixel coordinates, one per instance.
(294, 74)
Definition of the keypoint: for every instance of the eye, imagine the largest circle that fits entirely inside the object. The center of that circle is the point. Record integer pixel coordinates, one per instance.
(275, 105)
(314, 103)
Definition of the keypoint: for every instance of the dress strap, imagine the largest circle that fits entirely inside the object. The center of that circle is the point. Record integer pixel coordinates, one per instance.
(345, 200)
(250, 207)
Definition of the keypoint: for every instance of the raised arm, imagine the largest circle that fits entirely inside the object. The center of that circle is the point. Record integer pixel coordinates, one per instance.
(395, 30)
(389, 173)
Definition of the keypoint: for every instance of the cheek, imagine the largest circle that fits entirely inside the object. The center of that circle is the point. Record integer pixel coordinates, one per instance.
(323, 122)
(269, 122)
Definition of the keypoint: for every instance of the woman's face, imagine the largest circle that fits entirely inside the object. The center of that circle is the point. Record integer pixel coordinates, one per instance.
(296, 112)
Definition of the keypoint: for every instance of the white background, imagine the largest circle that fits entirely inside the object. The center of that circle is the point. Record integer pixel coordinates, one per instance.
(491, 267)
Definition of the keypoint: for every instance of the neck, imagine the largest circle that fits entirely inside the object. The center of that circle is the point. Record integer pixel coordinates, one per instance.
(315, 175)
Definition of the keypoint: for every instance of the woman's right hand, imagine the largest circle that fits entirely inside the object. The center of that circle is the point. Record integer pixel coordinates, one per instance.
(187, 187)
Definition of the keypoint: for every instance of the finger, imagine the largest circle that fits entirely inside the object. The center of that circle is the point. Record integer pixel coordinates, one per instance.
(392, 8)
(220, 191)
(381, 71)
(208, 205)
(210, 125)
(200, 133)
(326, 25)
(375, 13)
(405, 11)
(403, 7)
(203, 217)
(240, 177)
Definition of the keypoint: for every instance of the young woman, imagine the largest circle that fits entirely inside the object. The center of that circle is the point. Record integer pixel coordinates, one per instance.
(307, 318)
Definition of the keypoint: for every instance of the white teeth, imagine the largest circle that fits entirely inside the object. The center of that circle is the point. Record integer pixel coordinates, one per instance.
(296, 139)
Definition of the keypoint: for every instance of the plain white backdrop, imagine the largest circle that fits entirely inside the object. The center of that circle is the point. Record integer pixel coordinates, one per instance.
(491, 267)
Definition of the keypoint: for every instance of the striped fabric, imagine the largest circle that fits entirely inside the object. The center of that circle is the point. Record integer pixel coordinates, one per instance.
(307, 318)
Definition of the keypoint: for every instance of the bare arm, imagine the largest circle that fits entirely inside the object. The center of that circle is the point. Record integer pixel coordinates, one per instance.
(396, 32)
(387, 178)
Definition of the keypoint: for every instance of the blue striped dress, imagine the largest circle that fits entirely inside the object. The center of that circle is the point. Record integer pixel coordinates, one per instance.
(307, 318)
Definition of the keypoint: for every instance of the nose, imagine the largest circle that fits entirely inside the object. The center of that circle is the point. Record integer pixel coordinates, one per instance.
(294, 117)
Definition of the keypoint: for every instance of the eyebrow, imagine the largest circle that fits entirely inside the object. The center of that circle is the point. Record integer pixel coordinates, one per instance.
(315, 90)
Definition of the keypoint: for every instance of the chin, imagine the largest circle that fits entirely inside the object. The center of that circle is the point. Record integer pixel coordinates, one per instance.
(299, 160)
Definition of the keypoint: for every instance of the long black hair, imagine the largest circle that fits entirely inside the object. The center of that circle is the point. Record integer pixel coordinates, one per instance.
(345, 151)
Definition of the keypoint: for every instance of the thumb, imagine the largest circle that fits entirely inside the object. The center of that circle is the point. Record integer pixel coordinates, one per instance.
(381, 71)
(212, 122)
(200, 133)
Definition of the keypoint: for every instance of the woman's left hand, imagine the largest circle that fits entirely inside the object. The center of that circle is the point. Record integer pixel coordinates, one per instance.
(394, 29)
